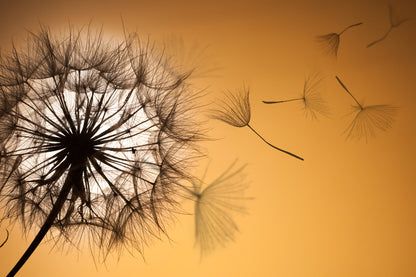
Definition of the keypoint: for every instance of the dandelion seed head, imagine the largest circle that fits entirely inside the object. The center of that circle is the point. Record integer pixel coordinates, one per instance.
(107, 121)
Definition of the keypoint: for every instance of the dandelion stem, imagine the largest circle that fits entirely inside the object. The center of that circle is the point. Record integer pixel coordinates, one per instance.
(7, 238)
(356, 101)
(353, 25)
(394, 23)
(284, 151)
(382, 38)
(74, 176)
(282, 101)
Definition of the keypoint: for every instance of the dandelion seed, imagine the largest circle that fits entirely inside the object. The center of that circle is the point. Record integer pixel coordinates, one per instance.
(94, 138)
(368, 119)
(395, 21)
(216, 206)
(330, 42)
(313, 103)
(236, 112)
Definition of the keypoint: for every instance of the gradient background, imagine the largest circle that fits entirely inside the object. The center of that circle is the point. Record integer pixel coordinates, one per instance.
(347, 210)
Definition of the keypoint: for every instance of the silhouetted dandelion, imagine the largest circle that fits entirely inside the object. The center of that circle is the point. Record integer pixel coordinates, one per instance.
(368, 119)
(94, 138)
(215, 208)
(330, 42)
(311, 98)
(395, 21)
(235, 111)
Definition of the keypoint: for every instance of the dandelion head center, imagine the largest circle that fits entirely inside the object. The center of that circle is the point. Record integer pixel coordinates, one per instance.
(78, 146)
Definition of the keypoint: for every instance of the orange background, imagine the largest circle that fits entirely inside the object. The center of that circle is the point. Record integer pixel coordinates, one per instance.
(347, 210)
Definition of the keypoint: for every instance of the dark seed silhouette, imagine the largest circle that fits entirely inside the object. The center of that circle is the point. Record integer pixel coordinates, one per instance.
(330, 42)
(311, 98)
(368, 119)
(236, 112)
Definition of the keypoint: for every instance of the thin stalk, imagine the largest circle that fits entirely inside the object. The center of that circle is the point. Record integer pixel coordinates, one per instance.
(358, 103)
(284, 151)
(282, 101)
(7, 238)
(353, 25)
(380, 39)
(74, 176)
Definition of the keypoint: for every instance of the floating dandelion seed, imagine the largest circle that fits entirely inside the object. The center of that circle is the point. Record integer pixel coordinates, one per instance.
(330, 42)
(236, 112)
(94, 137)
(395, 22)
(368, 119)
(215, 208)
(313, 103)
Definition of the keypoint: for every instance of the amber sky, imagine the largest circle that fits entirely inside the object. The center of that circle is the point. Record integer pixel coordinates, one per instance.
(347, 210)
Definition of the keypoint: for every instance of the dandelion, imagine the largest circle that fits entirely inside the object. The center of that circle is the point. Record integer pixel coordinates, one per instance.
(236, 112)
(94, 137)
(368, 119)
(330, 42)
(395, 22)
(311, 98)
(216, 206)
